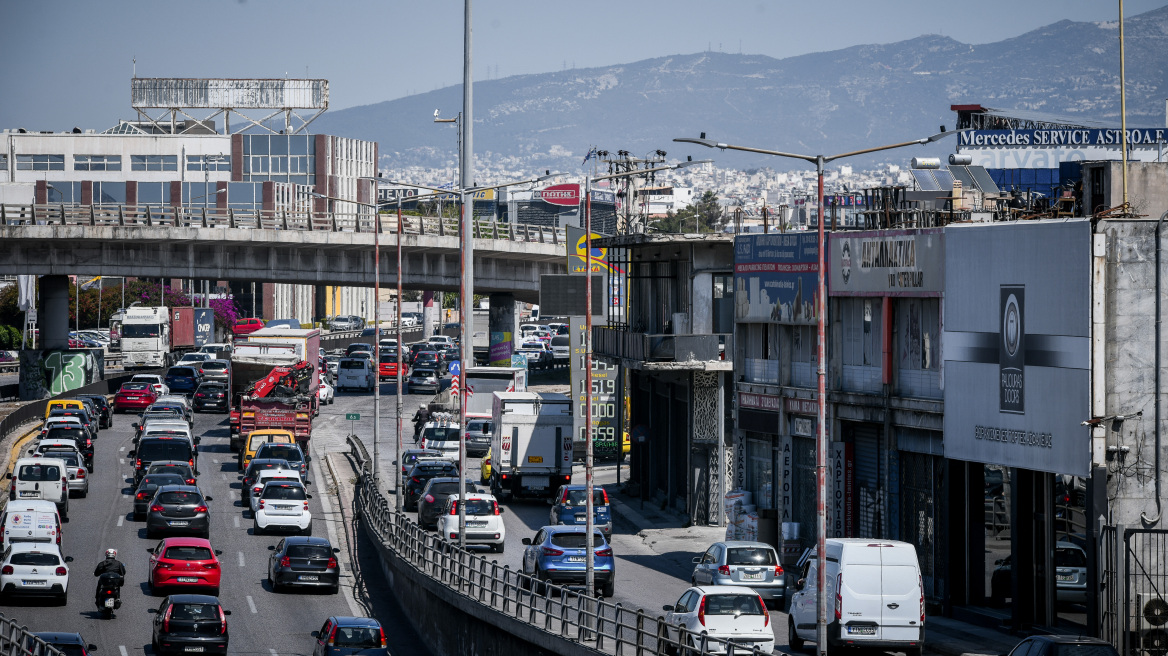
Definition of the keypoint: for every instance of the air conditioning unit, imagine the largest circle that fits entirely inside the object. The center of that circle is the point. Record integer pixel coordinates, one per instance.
(1149, 635)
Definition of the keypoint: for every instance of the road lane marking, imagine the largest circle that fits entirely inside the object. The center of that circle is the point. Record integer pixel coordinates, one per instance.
(223, 475)
(241, 564)
(251, 604)
(121, 518)
(122, 648)
(122, 449)
(236, 518)
(273, 652)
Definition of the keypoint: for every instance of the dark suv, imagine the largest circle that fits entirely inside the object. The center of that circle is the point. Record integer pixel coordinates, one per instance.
(190, 623)
(183, 380)
(151, 449)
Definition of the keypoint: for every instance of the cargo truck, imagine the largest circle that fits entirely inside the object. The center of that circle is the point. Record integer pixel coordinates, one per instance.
(531, 448)
(157, 337)
(289, 359)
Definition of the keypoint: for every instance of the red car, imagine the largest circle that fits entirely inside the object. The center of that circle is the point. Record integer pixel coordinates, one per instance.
(246, 326)
(185, 563)
(387, 368)
(134, 396)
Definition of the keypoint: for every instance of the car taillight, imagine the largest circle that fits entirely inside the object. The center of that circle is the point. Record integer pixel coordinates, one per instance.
(306, 505)
(257, 489)
(778, 570)
(7, 570)
(604, 553)
(162, 564)
(922, 588)
(332, 563)
(141, 495)
(166, 619)
(605, 492)
(839, 596)
(261, 504)
(156, 508)
(382, 631)
(80, 473)
(496, 506)
(416, 479)
(200, 509)
(210, 565)
(454, 508)
(702, 612)
(88, 442)
(138, 463)
(429, 498)
(285, 562)
(191, 462)
(222, 621)
(200, 394)
(724, 570)
(766, 615)
(548, 551)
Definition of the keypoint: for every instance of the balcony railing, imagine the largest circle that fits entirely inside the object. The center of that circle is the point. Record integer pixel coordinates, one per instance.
(757, 370)
(644, 347)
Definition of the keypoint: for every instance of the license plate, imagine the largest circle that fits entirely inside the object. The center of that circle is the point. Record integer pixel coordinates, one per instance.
(109, 603)
(34, 582)
(862, 630)
(306, 577)
(131, 398)
(534, 458)
(193, 648)
(536, 482)
(280, 506)
(1066, 577)
(179, 523)
(476, 524)
(747, 576)
(188, 579)
(32, 493)
(575, 559)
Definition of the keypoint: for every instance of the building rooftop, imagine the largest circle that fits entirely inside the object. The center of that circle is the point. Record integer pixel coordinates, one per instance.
(660, 238)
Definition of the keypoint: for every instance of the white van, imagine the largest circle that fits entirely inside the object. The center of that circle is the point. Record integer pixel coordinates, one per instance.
(356, 373)
(46, 479)
(31, 521)
(875, 597)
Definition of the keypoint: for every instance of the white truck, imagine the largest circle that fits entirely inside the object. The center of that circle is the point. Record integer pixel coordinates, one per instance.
(145, 339)
(531, 449)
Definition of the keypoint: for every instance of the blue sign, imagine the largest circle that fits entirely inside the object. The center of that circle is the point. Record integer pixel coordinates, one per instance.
(776, 278)
(519, 360)
(455, 368)
(204, 326)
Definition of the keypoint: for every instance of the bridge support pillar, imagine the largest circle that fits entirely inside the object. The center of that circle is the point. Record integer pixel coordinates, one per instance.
(429, 314)
(504, 327)
(53, 315)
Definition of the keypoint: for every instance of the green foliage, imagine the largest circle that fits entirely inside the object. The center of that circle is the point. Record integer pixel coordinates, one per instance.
(9, 337)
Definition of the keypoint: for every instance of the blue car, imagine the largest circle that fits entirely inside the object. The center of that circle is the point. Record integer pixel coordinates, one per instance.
(570, 508)
(557, 555)
(183, 380)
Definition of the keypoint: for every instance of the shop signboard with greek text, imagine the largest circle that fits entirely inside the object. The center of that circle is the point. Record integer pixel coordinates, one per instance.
(887, 263)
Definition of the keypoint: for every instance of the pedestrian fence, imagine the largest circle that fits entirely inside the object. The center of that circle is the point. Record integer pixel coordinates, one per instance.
(17, 640)
(608, 628)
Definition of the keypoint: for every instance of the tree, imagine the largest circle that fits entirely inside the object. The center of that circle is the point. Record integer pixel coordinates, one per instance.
(705, 215)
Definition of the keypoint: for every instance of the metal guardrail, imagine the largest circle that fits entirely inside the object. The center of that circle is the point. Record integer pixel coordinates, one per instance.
(608, 628)
(14, 367)
(17, 640)
(214, 217)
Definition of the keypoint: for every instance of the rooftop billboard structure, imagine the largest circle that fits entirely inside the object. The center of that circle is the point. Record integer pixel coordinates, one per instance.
(227, 96)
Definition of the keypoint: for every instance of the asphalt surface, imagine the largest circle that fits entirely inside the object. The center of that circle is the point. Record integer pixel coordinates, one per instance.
(262, 622)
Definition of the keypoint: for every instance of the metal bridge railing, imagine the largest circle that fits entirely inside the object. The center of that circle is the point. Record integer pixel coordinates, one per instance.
(215, 217)
(609, 628)
(17, 640)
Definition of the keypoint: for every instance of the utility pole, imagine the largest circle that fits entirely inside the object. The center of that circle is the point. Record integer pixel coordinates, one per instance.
(466, 298)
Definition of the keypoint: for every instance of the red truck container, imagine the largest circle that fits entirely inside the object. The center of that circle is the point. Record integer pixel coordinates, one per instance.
(182, 328)
(291, 414)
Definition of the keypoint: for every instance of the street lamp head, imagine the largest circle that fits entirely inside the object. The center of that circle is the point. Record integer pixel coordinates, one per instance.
(701, 141)
(692, 162)
(548, 175)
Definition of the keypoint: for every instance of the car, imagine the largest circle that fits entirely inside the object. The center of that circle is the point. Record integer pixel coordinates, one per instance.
(440, 341)
(283, 323)
(69, 644)
(184, 563)
(478, 437)
(211, 396)
(354, 349)
(420, 474)
(262, 478)
(387, 367)
(1070, 562)
(304, 561)
(77, 437)
(345, 636)
(349, 322)
(178, 509)
(218, 350)
(410, 457)
(45, 447)
(561, 349)
(166, 447)
(557, 555)
(441, 435)
(429, 360)
(254, 467)
(180, 468)
(80, 414)
(31, 521)
(105, 412)
(325, 393)
(155, 381)
(356, 373)
(194, 359)
(246, 326)
(183, 379)
(218, 370)
(40, 478)
(484, 521)
(423, 380)
(186, 623)
(59, 421)
(409, 321)
(433, 498)
(538, 357)
(282, 505)
(570, 505)
(78, 473)
(727, 613)
(1063, 645)
(332, 361)
(144, 493)
(258, 438)
(527, 329)
(35, 569)
(417, 347)
(753, 565)
(291, 453)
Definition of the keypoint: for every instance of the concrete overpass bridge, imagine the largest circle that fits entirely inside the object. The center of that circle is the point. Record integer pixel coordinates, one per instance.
(271, 246)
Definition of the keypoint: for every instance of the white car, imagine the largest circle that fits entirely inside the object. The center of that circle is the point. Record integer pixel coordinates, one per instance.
(325, 392)
(78, 473)
(444, 341)
(283, 505)
(278, 474)
(442, 436)
(484, 521)
(54, 445)
(35, 568)
(160, 388)
(724, 612)
(195, 357)
(57, 421)
(409, 321)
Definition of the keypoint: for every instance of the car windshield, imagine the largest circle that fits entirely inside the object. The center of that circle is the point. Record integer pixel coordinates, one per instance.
(734, 604)
(284, 492)
(188, 553)
(281, 451)
(357, 637)
(750, 556)
(444, 489)
(35, 473)
(170, 466)
(68, 648)
(1068, 557)
(309, 551)
(70, 457)
(478, 427)
(164, 450)
(154, 481)
(574, 540)
(35, 559)
(199, 612)
(139, 330)
(62, 433)
(180, 498)
(352, 364)
(580, 498)
(442, 434)
(559, 340)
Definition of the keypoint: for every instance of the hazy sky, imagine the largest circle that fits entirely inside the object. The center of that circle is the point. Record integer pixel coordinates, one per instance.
(68, 64)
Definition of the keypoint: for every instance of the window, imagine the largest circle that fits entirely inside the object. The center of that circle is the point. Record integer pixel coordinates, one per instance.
(860, 318)
(154, 193)
(40, 162)
(63, 192)
(918, 322)
(97, 162)
(3, 162)
(208, 163)
(109, 193)
(33, 559)
(188, 553)
(153, 162)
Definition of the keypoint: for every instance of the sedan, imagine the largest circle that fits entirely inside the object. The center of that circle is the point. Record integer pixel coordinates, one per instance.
(190, 623)
(211, 396)
(727, 613)
(134, 396)
(146, 489)
(304, 561)
(344, 636)
(557, 554)
(35, 569)
(178, 509)
(185, 563)
(423, 381)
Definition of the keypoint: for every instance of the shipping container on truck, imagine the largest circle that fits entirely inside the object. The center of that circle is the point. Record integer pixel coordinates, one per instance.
(254, 358)
(531, 448)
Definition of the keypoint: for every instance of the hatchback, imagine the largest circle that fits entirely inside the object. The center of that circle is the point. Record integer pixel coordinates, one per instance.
(291, 453)
(387, 367)
(134, 396)
(434, 496)
(262, 478)
(428, 360)
(78, 474)
(183, 380)
(304, 561)
(76, 436)
(35, 569)
(211, 396)
(478, 437)
(733, 614)
(180, 468)
(558, 555)
(184, 563)
(146, 489)
(217, 370)
(420, 474)
(423, 381)
(410, 458)
(344, 636)
(246, 326)
(753, 565)
(484, 521)
(178, 509)
(254, 467)
(190, 623)
(282, 505)
(69, 644)
(570, 507)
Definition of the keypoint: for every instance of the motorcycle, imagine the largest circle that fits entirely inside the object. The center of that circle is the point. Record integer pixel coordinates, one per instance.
(109, 595)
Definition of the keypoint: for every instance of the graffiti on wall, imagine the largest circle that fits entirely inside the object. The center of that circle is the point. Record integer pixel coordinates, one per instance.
(49, 372)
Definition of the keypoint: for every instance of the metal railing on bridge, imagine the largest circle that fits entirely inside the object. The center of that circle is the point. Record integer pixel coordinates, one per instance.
(608, 628)
(17, 640)
(216, 217)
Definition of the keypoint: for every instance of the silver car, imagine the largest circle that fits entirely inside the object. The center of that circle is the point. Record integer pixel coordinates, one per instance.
(752, 565)
(218, 370)
(78, 473)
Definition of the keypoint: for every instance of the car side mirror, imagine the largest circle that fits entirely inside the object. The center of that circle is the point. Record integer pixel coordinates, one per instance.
(91, 647)
(198, 440)
(208, 498)
(315, 634)
(308, 482)
(800, 583)
(152, 611)
(527, 541)
(134, 425)
(502, 510)
(667, 607)
(271, 547)
(150, 550)
(131, 452)
(68, 559)
(696, 559)
(393, 463)
(336, 550)
(218, 552)
(309, 496)
(226, 612)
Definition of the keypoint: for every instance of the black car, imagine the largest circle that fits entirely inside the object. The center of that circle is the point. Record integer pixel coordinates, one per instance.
(1063, 645)
(70, 644)
(178, 509)
(291, 453)
(144, 494)
(211, 396)
(416, 348)
(346, 636)
(410, 457)
(79, 436)
(424, 381)
(190, 623)
(421, 474)
(150, 449)
(434, 495)
(428, 360)
(80, 413)
(304, 561)
(180, 468)
(478, 437)
(105, 415)
(253, 470)
(351, 349)
(183, 380)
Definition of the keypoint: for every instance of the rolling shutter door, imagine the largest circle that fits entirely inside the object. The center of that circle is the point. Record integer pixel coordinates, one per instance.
(869, 495)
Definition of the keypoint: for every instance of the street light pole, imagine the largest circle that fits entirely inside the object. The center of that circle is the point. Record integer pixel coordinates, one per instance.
(821, 355)
(397, 460)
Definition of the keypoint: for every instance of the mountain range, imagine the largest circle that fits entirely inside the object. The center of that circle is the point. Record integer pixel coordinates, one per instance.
(824, 102)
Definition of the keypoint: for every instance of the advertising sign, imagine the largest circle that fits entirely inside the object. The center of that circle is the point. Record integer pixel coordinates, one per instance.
(776, 278)
(565, 195)
(204, 326)
(1017, 345)
(753, 401)
(887, 263)
(577, 252)
(501, 348)
(1045, 149)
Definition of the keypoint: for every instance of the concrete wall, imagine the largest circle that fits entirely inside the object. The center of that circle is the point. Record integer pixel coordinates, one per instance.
(1130, 373)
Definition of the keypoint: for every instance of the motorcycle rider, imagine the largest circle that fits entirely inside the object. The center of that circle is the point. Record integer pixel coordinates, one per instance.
(111, 573)
(420, 418)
